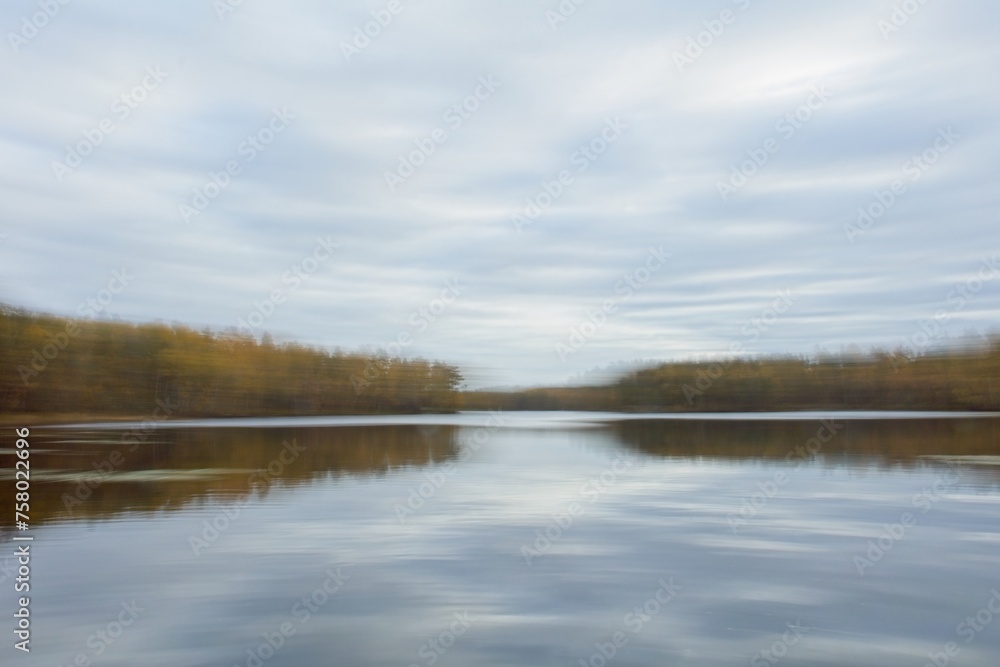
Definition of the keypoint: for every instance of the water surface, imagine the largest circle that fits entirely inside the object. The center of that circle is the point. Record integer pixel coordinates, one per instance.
(529, 538)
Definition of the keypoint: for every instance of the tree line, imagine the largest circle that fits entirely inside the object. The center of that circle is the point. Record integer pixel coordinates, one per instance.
(51, 364)
(959, 379)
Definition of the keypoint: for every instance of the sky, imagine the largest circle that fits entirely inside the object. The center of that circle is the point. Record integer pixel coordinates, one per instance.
(529, 190)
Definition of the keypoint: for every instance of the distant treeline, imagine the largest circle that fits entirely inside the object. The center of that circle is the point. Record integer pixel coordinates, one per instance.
(54, 365)
(964, 379)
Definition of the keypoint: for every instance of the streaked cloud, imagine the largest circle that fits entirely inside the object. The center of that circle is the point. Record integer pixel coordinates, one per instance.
(891, 93)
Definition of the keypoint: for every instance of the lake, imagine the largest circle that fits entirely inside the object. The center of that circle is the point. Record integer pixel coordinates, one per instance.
(495, 539)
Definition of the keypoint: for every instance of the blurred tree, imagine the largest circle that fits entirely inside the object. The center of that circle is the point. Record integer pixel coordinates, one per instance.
(51, 365)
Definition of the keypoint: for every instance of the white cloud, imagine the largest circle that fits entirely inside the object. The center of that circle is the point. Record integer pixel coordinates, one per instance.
(655, 186)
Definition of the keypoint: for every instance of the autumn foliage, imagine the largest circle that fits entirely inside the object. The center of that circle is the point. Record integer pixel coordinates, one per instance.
(53, 365)
(965, 378)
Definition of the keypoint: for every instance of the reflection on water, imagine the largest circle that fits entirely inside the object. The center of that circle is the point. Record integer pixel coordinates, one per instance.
(91, 474)
(881, 442)
(542, 540)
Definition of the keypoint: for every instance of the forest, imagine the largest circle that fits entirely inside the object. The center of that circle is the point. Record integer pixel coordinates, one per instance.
(964, 378)
(51, 365)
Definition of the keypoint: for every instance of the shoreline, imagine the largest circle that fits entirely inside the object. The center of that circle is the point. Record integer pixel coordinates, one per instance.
(85, 419)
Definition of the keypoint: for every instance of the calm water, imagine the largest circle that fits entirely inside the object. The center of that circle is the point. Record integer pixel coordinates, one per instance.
(528, 539)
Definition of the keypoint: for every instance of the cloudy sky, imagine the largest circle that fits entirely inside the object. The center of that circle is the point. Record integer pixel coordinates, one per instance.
(689, 174)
